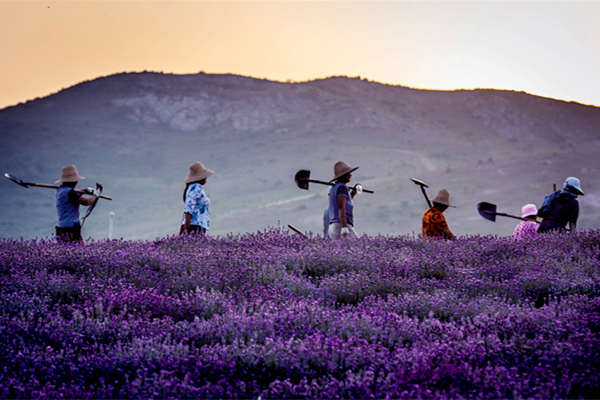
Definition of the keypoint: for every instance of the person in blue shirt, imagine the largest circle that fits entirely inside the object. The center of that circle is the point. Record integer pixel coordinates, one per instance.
(68, 228)
(562, 208)
(341, 216)
(196, 216)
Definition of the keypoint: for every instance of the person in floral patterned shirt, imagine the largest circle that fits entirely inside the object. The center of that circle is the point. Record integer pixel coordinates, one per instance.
(528, 228)
(196, 216)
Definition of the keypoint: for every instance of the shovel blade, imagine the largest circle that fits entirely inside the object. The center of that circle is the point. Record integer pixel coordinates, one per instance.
(302, 178)
(15, 180)
(419, 182)
(487, 210)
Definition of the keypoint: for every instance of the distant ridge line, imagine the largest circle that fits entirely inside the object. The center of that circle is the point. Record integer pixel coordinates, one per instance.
(292, 82)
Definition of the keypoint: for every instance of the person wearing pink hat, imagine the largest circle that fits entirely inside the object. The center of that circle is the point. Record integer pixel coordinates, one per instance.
(196, 216)
(527, 229)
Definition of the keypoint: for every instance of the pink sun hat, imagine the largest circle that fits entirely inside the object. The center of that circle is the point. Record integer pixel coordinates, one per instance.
(528, 210)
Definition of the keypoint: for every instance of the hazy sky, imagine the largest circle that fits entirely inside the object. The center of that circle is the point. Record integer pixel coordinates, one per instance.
(546, 48)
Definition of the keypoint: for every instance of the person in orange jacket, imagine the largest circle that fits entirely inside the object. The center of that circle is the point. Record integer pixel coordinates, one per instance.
(434, 224)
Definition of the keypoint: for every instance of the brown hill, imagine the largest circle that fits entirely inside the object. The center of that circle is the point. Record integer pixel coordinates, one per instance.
(137, 133)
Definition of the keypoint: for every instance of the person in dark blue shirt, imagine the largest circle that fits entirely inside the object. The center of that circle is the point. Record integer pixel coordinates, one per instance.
(562, 208)
(68, 228)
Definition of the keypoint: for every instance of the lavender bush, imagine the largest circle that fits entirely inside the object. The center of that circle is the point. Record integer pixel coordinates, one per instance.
(277, 316)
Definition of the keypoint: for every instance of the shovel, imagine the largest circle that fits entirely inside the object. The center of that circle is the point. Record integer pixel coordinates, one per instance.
(422, 185)
(488, 211)
(298, 231)
(302, 179)
(43, 185)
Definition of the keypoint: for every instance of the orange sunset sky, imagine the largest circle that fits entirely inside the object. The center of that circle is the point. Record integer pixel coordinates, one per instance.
(546, 48)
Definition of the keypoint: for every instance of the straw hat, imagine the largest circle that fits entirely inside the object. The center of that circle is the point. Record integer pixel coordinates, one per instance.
(443, 197)
(340, 169)
(69, 173)
(528, 210)
(198, 172)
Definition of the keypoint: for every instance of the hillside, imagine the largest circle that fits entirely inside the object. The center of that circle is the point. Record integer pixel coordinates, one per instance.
(137, 133)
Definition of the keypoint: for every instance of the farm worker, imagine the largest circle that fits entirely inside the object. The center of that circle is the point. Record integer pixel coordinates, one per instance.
(68, 228)
(561, 207)
(196, 216)
(434, 223)
(341, 217)
(527, 228)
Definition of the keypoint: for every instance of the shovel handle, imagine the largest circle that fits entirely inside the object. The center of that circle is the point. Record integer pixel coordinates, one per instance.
(44, 185)
(515, 217)
(333, 184)
(292, 227)
(321, 182)
(426, 197)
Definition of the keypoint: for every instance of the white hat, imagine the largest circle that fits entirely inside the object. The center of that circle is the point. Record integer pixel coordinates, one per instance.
(573, 183)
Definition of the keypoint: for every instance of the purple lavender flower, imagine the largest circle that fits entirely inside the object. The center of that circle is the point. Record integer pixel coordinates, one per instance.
(279, 316)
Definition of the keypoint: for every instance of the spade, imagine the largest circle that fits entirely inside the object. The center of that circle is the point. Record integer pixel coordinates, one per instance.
(44, 185)
(303, 180)
(422, 185)
(488, 211)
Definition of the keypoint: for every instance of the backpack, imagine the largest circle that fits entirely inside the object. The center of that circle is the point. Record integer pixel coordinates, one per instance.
(544, 210)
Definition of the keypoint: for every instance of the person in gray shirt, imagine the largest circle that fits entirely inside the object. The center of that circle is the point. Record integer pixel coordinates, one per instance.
(341, 217)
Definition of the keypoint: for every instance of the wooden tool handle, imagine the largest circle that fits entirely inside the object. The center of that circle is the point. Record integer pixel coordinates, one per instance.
(43, 185)
(515, 217)
(292, 227)
(426, 197)
(102, 196)
(47, 186)
(321, 182)
(333, 184)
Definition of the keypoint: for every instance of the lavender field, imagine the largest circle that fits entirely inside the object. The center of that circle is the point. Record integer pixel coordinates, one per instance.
(277, 316)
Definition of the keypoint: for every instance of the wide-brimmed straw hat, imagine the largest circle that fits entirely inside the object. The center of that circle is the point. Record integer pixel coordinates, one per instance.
(340, 169)
(69, 173)
(443, 197)
(198, 172)
(528, 210)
